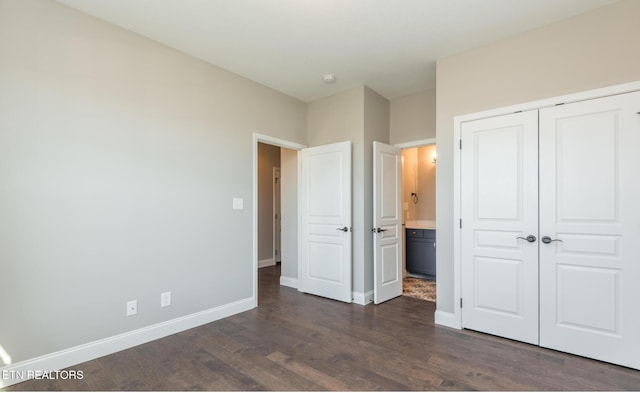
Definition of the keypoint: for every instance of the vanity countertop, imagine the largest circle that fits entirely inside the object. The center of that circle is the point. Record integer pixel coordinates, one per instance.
(420, 224)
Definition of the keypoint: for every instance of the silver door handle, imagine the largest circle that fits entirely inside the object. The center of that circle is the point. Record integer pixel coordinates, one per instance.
(529, 238)
(343, 229)
(547, 240)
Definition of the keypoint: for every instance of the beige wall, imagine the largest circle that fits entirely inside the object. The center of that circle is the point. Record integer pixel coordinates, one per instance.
(409, 182)
(361, 116)
(340, 118)
(426, 183)
(413, 118)
(119, 160)
(376, 128)
(336, 118)
(268, 158)
(289, 210)
(419, 176)
(592, 50)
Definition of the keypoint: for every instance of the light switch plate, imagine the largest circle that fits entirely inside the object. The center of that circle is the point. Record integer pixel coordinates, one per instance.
(238, 203)
(165, 299)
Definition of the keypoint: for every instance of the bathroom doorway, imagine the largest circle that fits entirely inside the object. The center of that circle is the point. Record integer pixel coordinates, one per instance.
(419, 220)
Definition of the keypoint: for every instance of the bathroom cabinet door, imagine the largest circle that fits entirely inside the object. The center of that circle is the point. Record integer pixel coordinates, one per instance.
(421, 252)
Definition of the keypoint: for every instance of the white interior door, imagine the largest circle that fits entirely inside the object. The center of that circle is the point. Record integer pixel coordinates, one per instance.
(589, 208)
(387, 222)
(325, 221)
(499, 211)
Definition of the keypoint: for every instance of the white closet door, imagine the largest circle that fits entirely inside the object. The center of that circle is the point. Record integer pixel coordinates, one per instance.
(499, 209)
(589, 207)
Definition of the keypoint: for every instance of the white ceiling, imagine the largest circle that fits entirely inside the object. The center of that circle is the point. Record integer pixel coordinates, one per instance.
(389, 45)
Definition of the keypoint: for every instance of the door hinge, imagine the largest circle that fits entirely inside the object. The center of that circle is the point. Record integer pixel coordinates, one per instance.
(460, 144)
(461, 223)
(460, 302)
(276, 216)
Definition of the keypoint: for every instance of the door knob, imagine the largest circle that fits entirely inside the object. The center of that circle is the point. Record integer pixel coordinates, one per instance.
(547, 240)
(380, 230)
(343, 229)
(529, 238)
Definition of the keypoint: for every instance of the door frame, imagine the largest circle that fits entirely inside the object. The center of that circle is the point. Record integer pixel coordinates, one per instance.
(269, 140)
(402, 146)
(277, 202)
(454, 318)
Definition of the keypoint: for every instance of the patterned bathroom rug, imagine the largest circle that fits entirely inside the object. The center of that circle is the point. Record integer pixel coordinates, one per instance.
(419, 288)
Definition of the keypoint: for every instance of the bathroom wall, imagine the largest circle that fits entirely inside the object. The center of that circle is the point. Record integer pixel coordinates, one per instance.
(419, 176)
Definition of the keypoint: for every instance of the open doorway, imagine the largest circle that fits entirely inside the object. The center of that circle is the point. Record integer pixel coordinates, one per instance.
(418, 196)
(275, 195)
(269, 206)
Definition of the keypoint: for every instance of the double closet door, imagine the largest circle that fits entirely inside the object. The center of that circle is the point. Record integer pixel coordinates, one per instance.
(551, 227)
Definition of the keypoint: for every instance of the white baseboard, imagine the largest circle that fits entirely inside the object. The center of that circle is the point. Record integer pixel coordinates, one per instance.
(362, 298)
(289, 282)
(22, 371)
(266, 262)
(447, 319)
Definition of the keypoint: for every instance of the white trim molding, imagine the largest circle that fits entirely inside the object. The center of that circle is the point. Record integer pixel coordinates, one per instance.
(446, 319)
(418, 143)
(289, 282)
(454, 319)
(266, 262)
(66, 358)
(261, 138)
(362, 298)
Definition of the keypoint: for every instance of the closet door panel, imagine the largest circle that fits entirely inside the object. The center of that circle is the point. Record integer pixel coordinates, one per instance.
(589, 193)
(499, 210)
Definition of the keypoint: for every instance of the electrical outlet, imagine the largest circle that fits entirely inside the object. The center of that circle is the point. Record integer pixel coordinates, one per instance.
(132, 307)
(165, 299)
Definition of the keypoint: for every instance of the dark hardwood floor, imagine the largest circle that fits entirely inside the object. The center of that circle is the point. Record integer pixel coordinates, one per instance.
(294, 341)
